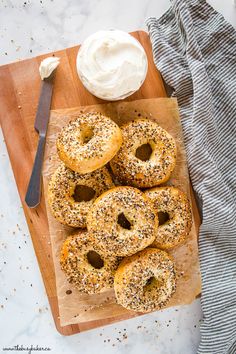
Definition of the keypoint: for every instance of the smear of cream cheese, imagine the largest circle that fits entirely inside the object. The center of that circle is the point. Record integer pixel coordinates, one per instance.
(47, 66)
(112, 64)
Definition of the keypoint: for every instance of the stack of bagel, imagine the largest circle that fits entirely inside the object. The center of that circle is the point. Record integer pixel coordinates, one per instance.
(109, 187)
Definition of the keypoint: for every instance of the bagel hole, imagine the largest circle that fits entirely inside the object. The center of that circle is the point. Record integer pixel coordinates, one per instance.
(83, 193)
(86, 133)
(150, 281)
(153, 282)
(95, 260)
(163, 217)
(144, 152)
(124, 222)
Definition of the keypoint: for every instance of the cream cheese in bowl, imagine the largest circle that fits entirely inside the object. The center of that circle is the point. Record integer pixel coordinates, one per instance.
(112, 64)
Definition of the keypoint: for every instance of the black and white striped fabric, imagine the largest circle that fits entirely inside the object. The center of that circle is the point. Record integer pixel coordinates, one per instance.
(195, 50)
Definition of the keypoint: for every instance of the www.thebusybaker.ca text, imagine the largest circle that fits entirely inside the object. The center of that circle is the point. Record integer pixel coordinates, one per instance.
(28, 349)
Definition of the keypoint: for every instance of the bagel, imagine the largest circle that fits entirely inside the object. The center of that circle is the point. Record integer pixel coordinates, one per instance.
(174, 204)
(84, 266)
(61, 190)
(88, 142)
(122, 221)
(145, 281)
(151, 170)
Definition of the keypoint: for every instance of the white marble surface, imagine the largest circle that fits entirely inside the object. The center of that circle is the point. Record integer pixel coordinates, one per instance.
(28, 28)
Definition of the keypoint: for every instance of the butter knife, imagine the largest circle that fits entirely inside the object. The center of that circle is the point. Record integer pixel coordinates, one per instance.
(33, 194)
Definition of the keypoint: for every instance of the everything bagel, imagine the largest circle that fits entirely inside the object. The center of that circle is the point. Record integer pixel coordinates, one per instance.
(88, 142)
(145, 281)
(122, 221)
(131, 170)
(61, 191)
(86, 268)
(174, 203)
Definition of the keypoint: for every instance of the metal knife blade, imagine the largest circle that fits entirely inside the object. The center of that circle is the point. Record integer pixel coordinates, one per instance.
(43, 110)
(33, 194)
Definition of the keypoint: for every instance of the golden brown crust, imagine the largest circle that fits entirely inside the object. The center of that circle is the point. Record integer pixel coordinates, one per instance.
(131, 280)
(175, 203)
(110, 237)
(132, 171)
(88, 142)
(74, 262)
(61, 188)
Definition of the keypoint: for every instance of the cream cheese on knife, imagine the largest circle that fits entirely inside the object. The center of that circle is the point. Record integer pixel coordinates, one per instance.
(112, 64)
(47, 66)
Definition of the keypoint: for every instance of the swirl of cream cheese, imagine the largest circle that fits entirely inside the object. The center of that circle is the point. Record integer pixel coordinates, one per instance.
(47, 66)
(112, 64)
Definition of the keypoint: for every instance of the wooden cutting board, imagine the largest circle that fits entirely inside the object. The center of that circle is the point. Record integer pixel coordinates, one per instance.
(19, 92)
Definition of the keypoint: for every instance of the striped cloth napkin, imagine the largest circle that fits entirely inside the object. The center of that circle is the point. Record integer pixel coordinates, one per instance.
(195, 50)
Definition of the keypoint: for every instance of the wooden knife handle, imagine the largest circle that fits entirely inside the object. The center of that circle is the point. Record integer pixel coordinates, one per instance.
(33, 194)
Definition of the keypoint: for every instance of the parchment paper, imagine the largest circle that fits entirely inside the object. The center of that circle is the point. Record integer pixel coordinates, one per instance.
(75, 307)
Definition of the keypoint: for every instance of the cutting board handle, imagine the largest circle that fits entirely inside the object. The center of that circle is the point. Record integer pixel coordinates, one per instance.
(33, 194)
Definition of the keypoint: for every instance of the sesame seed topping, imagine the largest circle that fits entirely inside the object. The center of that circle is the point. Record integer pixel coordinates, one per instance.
(133, 171)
